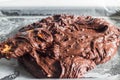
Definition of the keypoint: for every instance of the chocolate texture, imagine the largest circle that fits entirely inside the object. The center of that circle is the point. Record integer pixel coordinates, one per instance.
(63, 46)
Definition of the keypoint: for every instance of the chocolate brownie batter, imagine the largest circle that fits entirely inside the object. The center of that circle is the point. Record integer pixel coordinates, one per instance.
(63, 46)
